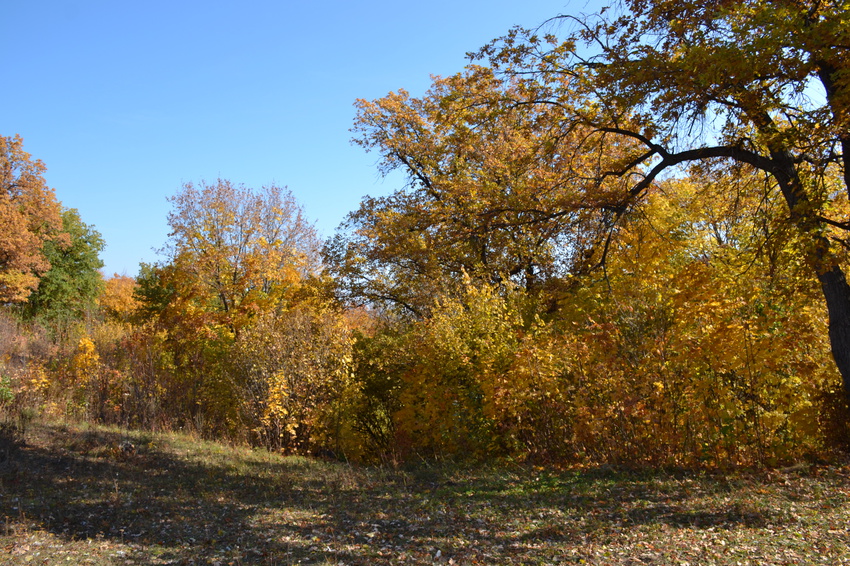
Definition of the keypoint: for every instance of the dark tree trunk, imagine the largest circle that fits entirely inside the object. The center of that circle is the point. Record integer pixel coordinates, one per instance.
(836, 291)
(834, 285)
(833, 282)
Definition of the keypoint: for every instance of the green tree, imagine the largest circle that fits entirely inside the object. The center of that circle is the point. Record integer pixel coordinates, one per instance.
(70, 288)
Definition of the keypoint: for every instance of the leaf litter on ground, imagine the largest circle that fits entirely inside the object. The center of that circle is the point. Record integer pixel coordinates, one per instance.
(77, 495)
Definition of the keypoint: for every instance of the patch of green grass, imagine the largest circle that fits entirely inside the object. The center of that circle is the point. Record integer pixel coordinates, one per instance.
(90, 495)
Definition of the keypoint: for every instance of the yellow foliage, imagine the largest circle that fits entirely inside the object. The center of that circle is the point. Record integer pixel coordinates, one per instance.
(37, 380)
(86, 358)
(291, 376)
(697, 349)
(117, 298)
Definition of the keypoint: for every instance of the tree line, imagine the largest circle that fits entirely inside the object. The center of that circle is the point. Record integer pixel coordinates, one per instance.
(622, 238)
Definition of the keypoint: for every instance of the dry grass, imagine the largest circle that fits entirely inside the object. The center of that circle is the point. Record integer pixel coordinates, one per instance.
(74, 495)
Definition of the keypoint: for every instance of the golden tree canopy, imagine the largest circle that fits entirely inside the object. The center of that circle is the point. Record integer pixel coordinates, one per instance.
(29, 216)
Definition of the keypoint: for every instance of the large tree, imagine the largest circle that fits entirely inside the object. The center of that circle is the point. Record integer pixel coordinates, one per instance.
(251, 343)
(239, 248)
(760, 84)
(29, 216)
(494, 192)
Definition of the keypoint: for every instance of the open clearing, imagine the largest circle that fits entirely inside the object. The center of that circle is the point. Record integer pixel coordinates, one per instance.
(74, 495)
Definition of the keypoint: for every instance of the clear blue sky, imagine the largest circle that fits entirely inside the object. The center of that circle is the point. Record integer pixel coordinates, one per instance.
(126, 101)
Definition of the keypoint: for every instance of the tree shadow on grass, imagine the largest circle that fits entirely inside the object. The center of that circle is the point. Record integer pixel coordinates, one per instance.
(169, 504)
(166, 509)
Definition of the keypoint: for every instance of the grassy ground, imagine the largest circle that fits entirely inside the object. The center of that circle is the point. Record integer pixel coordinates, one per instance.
(73, 496)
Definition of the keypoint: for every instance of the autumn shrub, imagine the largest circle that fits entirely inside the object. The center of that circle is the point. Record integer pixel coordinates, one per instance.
(476, 379)
(22, 342)
(291, 373)
(728, 390)
(376, 373)
(138, 376)
(445, 401)
(691, 351)
(28, 357)
(694, 352)
(9, 335)
(534, 399)
(112, 348)
(132, 355)
(9, 434)
(147, 364)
